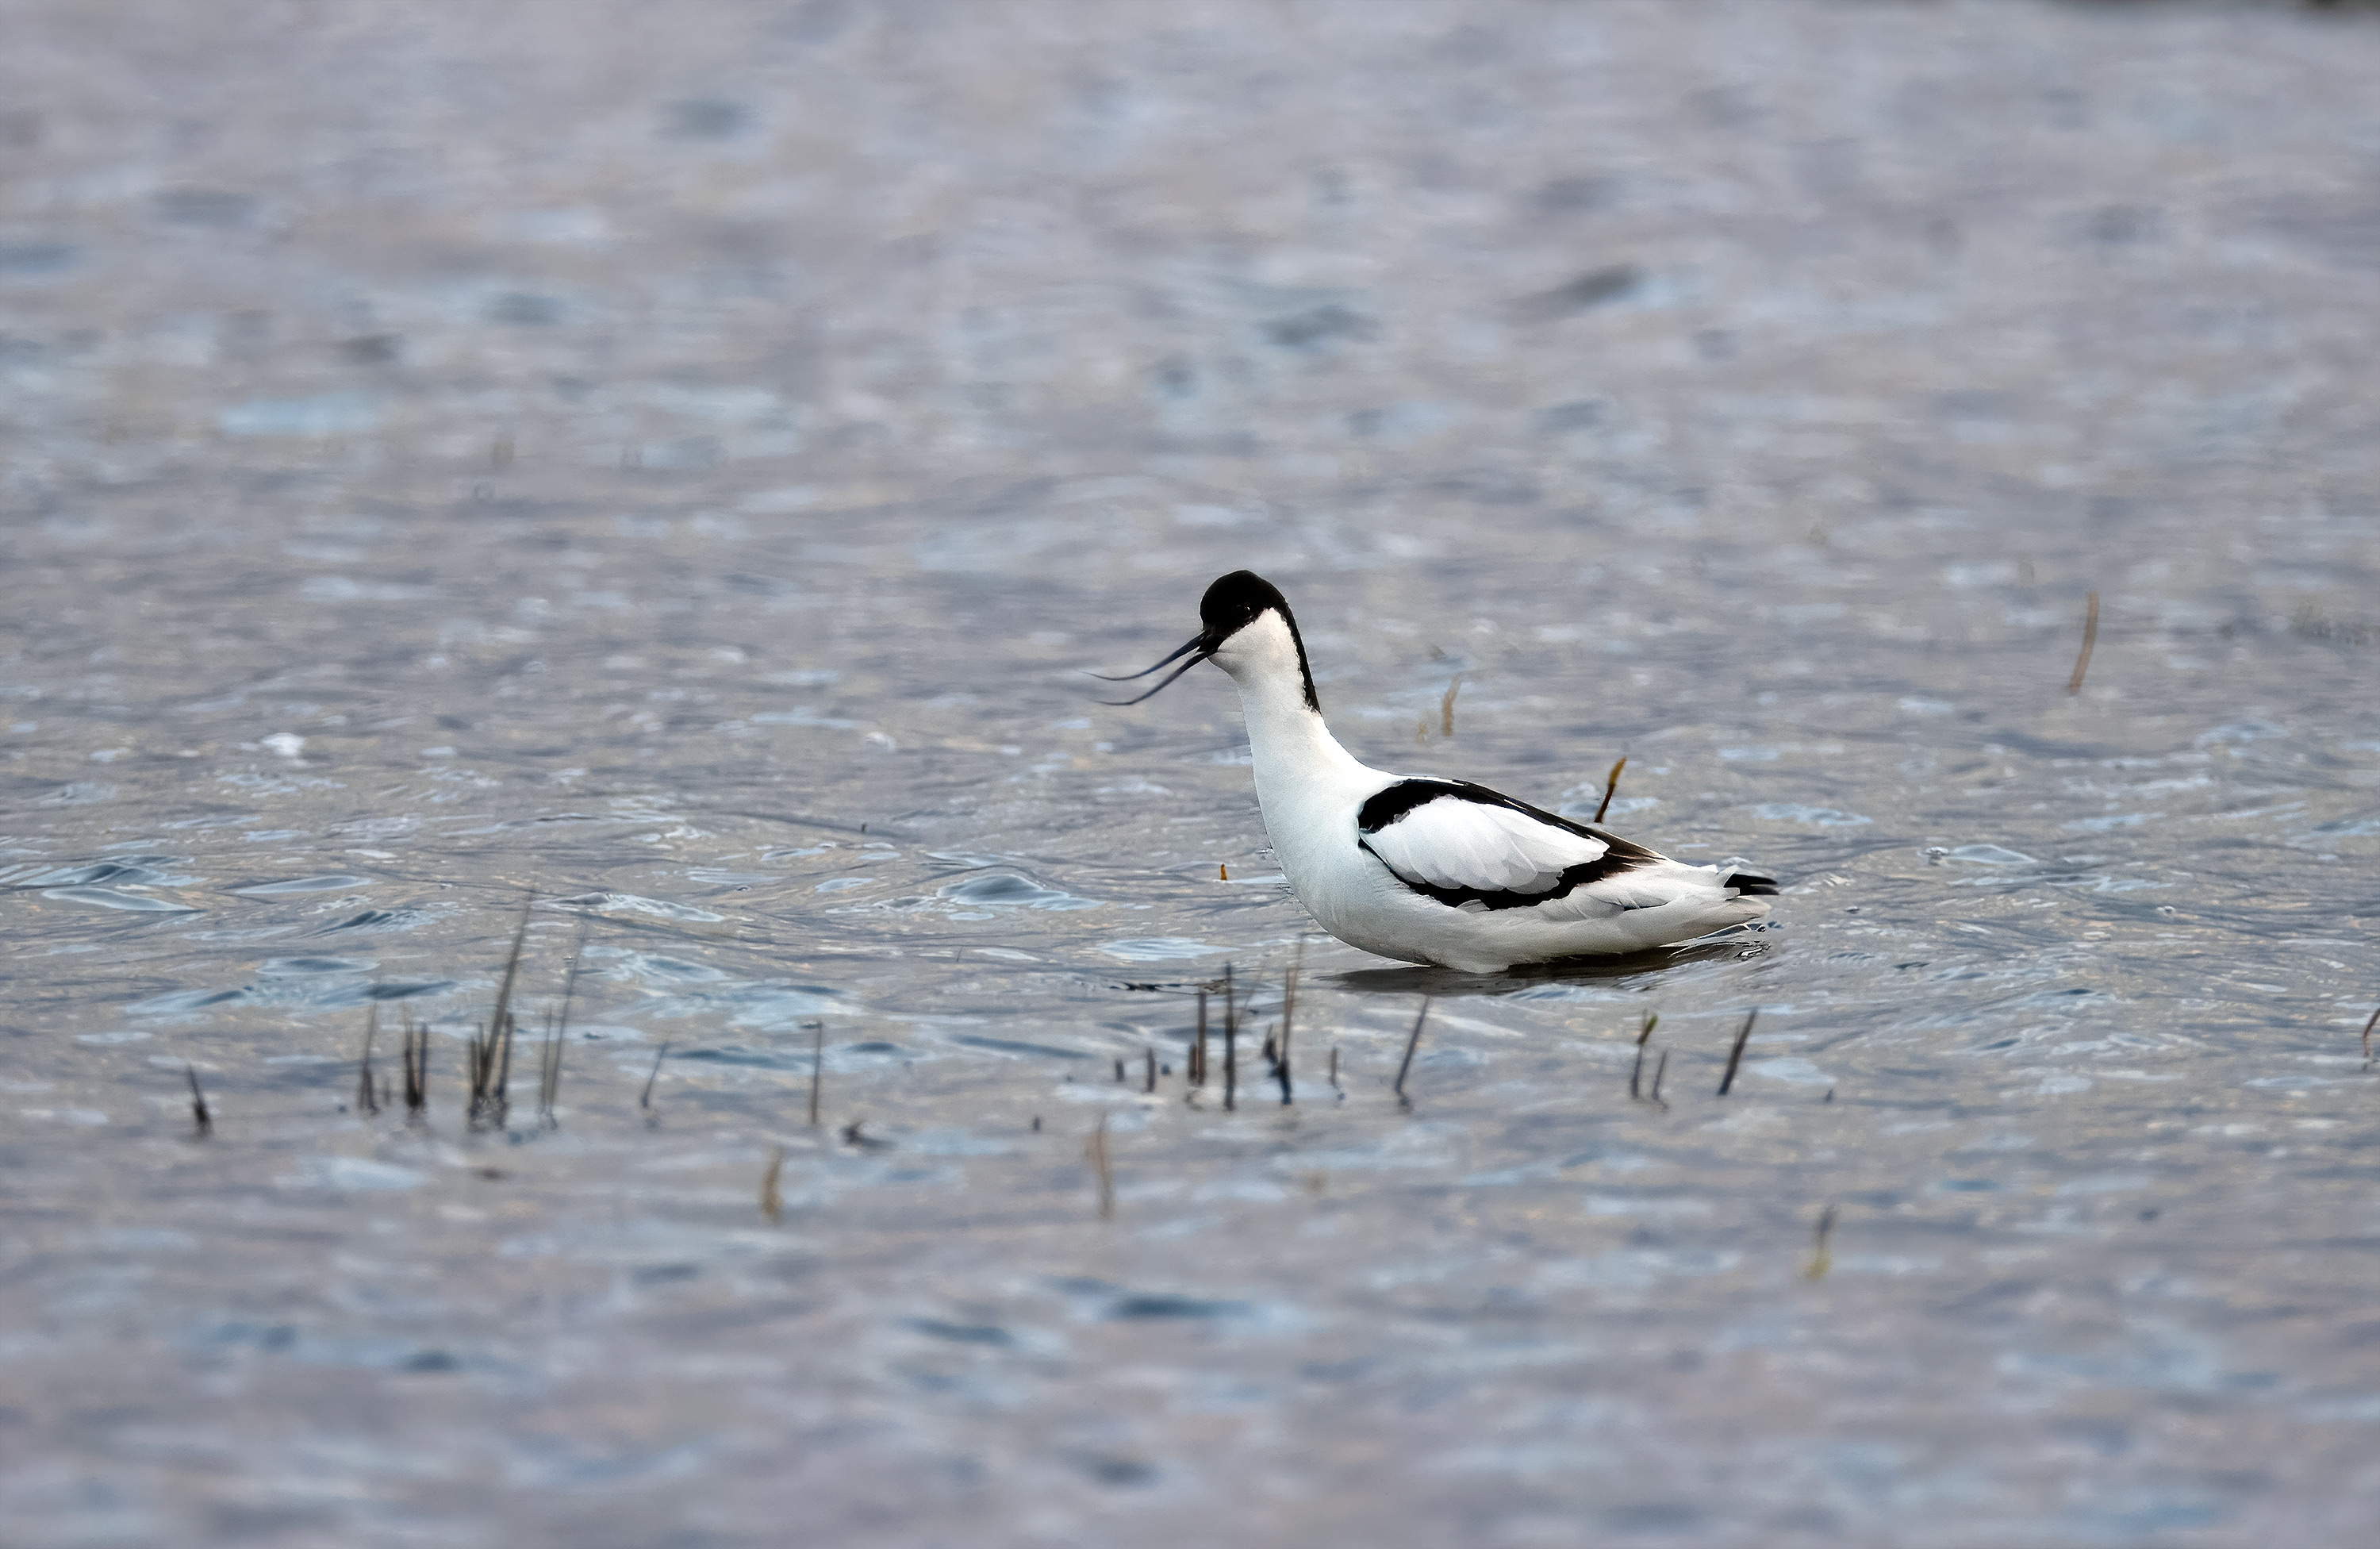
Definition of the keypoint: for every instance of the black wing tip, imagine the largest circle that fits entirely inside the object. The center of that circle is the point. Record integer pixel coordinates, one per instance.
(1751, 884)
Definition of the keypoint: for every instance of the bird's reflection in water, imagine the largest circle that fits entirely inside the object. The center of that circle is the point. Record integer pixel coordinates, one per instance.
(1616, 971)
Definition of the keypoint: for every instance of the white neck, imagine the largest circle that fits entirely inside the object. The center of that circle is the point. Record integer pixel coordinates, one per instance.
(1293, 752)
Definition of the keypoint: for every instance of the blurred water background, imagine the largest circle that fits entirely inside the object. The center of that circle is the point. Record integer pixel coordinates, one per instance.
(670, 462)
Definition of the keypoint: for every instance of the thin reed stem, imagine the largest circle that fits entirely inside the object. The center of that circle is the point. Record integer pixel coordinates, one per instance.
(1412, 1043)
(817, 1067)
(203, 1123)
(1644, 1035)
(570, 978)
(1102, 1168)
(2090, 638)
(365, 1098)
(1735, 1055)
(549, 1071)
(495, 1094)
(772, 1204)
(1288, 1012)
(1822, 1259)
(1610, 784)
(417, 1067)
(1231, 1045)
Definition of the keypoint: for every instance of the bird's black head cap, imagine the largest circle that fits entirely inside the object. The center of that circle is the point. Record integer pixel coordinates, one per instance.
(1236, 601)
(1233, 603)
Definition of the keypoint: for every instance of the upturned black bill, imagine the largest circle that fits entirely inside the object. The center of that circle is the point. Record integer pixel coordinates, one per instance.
(1196, 643)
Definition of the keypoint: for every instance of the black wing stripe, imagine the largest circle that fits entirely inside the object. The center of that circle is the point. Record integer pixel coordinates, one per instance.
(1387, 806)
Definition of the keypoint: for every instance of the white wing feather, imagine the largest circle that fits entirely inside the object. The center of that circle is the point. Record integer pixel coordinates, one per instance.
(1452, 843)
(1665, 882)
(1654, 885)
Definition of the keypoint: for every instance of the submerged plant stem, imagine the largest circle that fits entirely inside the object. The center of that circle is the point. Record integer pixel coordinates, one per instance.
(1644, 1036)
(1231, 1045)
(1287, 1011)
(1735, 1055)
(2090, 639)
(1102, 1168)
(1412, 1043)
(365, 1097)
(202, 1122)
(817, 1068)
(1821, 1258)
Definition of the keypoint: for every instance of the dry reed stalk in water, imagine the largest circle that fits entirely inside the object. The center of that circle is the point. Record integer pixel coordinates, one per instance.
(1821, 1258)
(2090, 638)
(817, 1068)
(549, 1071)
(570, 980)
(1412, 1043)
(364, 1099)
(1150, 1055)
(2375, 1022)
(645, 1098)
(1231, 1044)
(1660, 1070)
(481, 1060)
(1198, 1048)
(497, 1097)
(1446, 708)
(1287, 1011)
(1610, 784)
(1102, 1169)
(500, 1094)
(1735, 1055)
(417, 1067)
(1643, 1034)
(203, 1123)
(512, 961)
(772, 1204)
(488, 1058)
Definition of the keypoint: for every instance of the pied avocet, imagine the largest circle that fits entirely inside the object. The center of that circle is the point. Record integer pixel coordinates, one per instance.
(1427, 870)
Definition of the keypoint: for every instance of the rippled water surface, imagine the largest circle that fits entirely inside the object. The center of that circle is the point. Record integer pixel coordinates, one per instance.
(666, 467)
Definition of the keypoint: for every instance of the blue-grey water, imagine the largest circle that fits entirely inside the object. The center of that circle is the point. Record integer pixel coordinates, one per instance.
(670, 464)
